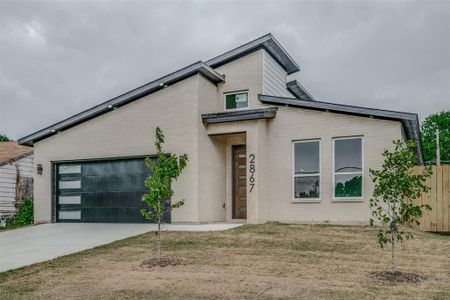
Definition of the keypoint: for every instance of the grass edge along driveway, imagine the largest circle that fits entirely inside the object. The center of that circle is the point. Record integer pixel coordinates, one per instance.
(253, 261)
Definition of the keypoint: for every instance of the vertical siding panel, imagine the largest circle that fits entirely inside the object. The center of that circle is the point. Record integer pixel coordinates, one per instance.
(445, 198)
(433, 201)
(439, 198)
(422, 201)
(426, 221)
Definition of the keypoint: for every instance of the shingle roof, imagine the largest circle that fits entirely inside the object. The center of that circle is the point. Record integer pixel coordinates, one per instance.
(11, 151)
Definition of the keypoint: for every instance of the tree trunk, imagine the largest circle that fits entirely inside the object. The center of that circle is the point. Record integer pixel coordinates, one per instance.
(158, 235)
(394, 263)
(158, 242)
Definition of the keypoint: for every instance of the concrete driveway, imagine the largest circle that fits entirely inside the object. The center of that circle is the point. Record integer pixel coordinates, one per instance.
(25, 246)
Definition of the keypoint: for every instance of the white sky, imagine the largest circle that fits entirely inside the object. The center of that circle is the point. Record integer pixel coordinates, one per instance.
(58, 58)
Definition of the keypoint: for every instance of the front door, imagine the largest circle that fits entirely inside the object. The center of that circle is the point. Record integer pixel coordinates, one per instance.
(239, 182)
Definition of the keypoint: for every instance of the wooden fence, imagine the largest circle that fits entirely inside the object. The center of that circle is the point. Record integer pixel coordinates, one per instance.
(438, 197)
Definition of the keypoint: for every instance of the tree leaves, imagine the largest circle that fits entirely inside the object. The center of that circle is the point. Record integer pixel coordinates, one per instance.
(395, 186)
(166, 169)
(439, 121)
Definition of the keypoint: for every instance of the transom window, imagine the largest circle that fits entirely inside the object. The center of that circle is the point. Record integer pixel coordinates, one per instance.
(236, 100)
(348, 168)
(306, 170)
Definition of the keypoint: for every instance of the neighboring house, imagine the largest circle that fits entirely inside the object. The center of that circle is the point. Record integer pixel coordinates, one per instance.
(260, 147)
(16, 175)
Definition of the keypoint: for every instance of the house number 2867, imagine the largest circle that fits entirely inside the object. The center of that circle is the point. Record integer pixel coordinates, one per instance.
(252, 171)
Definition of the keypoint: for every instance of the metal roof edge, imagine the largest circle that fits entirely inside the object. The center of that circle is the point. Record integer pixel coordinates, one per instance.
(268, 42)
(299, 91)
(320, 104)
(410, 121)
(139, 92)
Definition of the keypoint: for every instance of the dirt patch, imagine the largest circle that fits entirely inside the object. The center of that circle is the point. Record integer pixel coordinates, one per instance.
(397, 277)
(250, 262)
(163, 262)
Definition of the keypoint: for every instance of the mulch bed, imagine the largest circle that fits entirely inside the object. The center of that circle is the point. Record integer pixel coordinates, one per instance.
(163, 262)
(391, 278)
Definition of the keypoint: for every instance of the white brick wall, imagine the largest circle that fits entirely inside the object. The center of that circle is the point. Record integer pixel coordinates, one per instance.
(126, 131)
(206, 183)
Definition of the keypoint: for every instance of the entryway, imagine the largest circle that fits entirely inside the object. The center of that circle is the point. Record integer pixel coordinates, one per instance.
(239, 179)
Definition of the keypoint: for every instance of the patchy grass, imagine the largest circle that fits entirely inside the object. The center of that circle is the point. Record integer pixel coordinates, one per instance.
(253, 261)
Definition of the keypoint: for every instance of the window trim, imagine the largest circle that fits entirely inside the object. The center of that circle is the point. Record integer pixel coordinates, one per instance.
(333, 188)
(293, 176)
(235, 93)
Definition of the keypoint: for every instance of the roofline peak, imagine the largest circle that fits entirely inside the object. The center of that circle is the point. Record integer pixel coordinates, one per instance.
(267, 42)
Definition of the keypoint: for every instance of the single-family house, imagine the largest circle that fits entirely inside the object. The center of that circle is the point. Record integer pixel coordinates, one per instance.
(261, 147)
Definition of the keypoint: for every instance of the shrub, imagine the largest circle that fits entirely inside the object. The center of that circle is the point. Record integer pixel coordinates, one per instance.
(24, 216)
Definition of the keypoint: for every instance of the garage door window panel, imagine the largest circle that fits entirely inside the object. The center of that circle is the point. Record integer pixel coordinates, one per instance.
(69, 199)
(69, 215)
(69, 169)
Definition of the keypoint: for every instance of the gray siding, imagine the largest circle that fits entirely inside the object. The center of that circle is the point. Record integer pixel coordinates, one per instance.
(274, 78)
(8, 181)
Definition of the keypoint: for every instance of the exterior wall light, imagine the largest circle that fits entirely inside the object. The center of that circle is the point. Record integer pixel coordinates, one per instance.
(40, 169)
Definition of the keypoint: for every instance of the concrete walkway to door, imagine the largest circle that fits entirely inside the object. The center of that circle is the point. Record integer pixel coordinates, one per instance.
(26, 246)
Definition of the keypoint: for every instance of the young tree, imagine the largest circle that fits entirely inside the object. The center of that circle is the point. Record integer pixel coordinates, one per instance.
(166, 169)
(395, 187)
(428, 129)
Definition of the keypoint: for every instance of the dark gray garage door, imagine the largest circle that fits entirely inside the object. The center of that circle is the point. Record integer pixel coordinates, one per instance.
(101, 191)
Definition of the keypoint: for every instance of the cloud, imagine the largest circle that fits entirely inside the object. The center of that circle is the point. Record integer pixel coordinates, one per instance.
(58, 58)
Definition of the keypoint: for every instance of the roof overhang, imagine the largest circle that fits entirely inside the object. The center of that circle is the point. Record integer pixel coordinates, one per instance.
(267, 42)
(206, 69)
(239, 115)
(299, 91)
(151, 87)
(410, 121)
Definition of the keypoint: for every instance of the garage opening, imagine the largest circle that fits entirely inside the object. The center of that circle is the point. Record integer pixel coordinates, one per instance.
(100, 191)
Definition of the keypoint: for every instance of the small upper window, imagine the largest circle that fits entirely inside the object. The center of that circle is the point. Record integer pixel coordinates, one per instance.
(237, 100)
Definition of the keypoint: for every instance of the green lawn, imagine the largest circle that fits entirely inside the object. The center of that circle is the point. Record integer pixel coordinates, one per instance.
(253, 261)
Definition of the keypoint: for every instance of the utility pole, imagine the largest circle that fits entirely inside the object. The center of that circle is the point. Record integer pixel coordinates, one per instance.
(438, 149)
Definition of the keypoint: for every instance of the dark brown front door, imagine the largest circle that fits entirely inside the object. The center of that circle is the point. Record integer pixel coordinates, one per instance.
(239, 182)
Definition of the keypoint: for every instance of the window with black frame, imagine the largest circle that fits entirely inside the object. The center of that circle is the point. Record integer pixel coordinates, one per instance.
(348, 168)
(306, 170)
